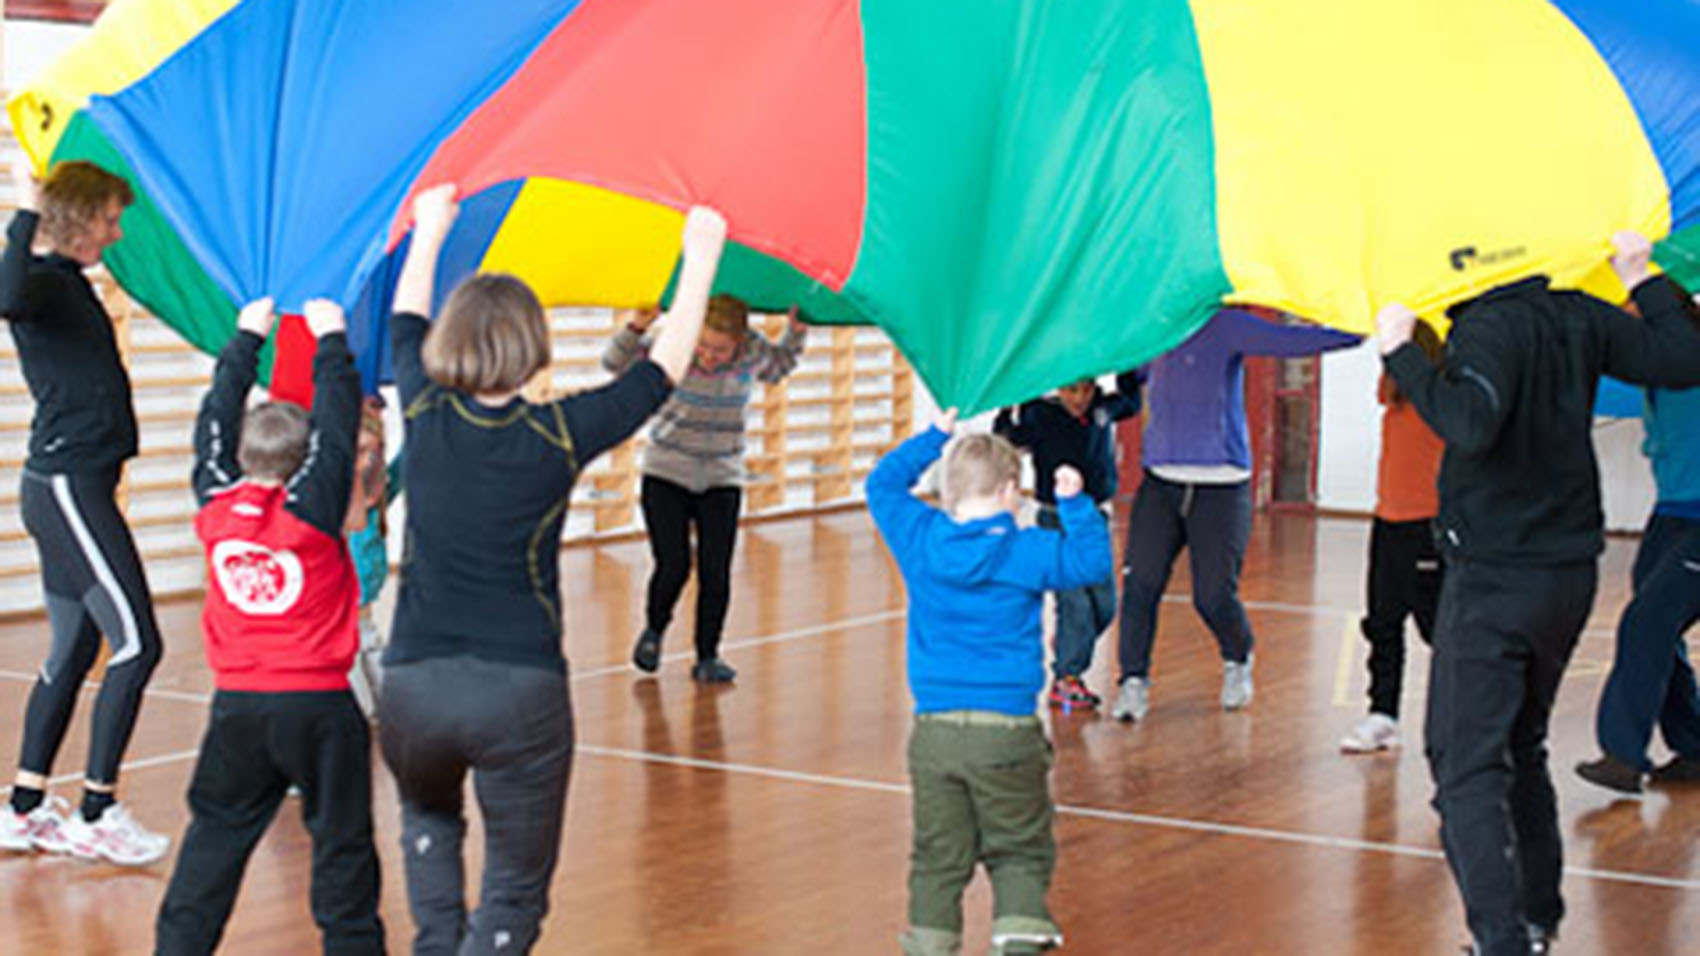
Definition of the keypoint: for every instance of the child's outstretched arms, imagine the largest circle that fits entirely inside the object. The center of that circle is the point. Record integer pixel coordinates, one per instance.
(218, 425)
(321, 489)
(434, 212)
(890, 488)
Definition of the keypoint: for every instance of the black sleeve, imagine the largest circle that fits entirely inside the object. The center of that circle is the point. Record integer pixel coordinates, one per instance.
(407, 338)
(320, 490)
(218, 426)
(15, 268)
(1125, 402)
(1020, 425)
(1466, 400)
(1661, 349)
(601, 418)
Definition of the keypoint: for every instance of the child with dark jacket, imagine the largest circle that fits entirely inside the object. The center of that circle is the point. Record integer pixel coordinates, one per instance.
(979, 762)
(1075, 428)
(280, 627)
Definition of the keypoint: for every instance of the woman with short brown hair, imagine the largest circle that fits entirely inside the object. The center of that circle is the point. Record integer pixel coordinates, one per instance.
(474, 676)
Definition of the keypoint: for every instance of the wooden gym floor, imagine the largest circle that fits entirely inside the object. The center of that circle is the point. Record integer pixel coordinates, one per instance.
(771, 818)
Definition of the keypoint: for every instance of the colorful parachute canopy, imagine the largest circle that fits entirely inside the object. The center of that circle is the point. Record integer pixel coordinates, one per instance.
(1020, 192)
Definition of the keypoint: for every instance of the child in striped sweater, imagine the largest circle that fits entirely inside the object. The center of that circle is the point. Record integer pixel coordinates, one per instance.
(693, 469)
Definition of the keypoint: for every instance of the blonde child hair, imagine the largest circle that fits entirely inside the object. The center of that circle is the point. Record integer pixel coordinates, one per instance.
(976, 466)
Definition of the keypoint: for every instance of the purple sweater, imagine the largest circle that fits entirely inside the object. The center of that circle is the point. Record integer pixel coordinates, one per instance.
(1195, 393)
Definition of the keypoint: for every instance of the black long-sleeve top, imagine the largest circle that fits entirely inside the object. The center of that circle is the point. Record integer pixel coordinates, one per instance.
(84, 417)
(1513, 400)
(1055, 437)
(487, 492)
(320, 489)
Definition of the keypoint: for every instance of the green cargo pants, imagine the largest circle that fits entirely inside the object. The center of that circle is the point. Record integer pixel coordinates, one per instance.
(981, 794)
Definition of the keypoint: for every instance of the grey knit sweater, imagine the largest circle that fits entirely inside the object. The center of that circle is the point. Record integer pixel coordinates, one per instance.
(697, 439)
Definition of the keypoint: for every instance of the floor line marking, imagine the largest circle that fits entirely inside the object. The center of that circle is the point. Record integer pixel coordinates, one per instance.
(782, 637)
(1119, 816)
(1343, 666)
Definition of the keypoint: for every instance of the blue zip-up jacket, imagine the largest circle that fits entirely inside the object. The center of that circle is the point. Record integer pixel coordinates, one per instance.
(976, 587)
(1672, 418)
(1195, 394)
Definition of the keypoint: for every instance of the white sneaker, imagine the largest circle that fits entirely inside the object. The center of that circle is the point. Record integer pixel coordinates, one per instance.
(1133, 700)
(1373, 733)
(115, 837)
(1236, 685)
(40, 829)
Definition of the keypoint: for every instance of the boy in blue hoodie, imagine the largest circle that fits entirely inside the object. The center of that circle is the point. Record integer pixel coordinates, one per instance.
(979, 761)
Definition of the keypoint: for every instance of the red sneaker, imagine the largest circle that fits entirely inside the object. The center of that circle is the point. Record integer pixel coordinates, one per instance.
(1071, 691)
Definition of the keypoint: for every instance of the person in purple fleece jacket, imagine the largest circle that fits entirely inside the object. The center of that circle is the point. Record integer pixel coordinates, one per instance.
(1197, 493)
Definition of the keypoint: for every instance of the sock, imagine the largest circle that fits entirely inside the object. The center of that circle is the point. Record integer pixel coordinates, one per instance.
(25, 799)
(95, 804)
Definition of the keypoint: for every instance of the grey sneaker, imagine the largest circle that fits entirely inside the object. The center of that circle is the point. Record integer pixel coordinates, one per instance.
(1133, 700)
(1236, 685)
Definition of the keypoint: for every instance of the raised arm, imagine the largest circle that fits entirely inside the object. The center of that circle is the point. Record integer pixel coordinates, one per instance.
(890, 487)
(1125, 402)
(434, 212)
(628, 344)
(772, 361)
(704, 240)
(218, 425)
(1019, 424)
(1251, 335)
(15, 262)
(321, 489)
(600, 418)
(1663, 348)
(1077, 557)
(1465, 400)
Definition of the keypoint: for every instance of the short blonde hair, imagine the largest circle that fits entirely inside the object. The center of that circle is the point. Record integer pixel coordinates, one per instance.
(729, 314)
(76, 193)
(490, 337)
(976, 465)
(274, 441)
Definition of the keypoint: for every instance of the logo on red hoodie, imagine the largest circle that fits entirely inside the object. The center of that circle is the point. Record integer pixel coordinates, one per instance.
(255, 579)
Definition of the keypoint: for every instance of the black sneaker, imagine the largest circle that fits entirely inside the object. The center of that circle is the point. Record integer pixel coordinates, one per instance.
(713, 671)
(646, 654)
(1678, 769)
(1611, 773)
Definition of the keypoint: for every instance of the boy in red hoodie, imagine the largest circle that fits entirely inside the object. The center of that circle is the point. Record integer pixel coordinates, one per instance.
(281, 631)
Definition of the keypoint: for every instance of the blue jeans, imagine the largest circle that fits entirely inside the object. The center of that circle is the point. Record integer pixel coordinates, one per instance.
(1651, 681)
(1082, 615)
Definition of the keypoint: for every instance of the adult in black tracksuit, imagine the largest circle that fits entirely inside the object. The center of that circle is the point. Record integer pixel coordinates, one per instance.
(474, 678)
(1521, 529)
(83, 431)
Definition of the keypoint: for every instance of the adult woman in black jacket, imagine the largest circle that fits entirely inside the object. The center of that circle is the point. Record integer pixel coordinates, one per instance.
(83, 431)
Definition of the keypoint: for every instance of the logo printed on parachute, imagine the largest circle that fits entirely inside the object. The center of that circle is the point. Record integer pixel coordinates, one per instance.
(256, 579)
(1465, 256)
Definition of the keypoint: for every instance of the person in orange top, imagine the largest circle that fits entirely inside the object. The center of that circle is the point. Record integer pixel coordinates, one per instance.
(1404, 560)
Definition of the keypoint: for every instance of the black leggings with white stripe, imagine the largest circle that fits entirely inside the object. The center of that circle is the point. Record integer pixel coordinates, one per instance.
(94, 584)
